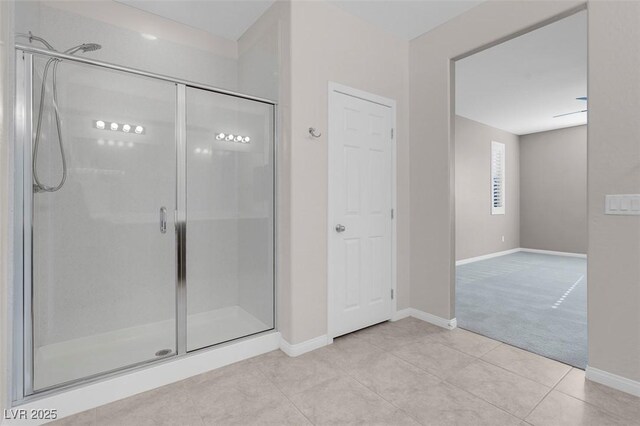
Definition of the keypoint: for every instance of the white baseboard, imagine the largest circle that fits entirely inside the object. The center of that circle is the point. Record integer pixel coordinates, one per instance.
(401, 314)
(303, 347)
(613, 381)
(516, 250)
(127, 384)
(449, 324)
(554, 253)
(321, 341)
(430, 318)
(486, 256)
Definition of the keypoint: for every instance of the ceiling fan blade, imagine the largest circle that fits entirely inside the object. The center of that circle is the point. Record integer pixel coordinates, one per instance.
(581, 98)
(569, 113)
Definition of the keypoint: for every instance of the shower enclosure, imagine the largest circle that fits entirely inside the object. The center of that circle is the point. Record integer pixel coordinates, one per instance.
(160, 241)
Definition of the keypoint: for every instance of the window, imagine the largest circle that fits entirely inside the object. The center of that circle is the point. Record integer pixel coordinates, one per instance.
(497, 177)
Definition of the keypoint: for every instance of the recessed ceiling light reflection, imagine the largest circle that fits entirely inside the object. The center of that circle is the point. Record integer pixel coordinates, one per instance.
(148, 36)
(247, 139)
(130, 144)
(230, 137)
(197, 150)
(114, 126)
(111, 143)
(220, 136)
(100, 141)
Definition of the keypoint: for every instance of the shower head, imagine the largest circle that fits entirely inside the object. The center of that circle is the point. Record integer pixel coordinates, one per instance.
(85, 47)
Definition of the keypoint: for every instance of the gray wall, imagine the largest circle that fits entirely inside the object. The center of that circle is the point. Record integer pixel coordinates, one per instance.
(553, 190)
(478, 232)
(363, 56)
(613, 156)
(614, 168)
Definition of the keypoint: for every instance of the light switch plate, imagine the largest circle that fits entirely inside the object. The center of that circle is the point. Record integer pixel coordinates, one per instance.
(622, 204)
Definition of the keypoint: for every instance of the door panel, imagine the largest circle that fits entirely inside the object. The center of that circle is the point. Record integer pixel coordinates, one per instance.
(360, 157)
(230, 257)
(103, 273)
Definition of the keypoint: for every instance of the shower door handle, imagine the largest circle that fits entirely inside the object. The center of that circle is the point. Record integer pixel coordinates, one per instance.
(163, 220)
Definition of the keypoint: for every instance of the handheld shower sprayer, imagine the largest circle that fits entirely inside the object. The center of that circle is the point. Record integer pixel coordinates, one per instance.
(38, 186)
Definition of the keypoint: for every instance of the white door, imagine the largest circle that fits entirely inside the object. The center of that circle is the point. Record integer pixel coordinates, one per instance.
(360, 215)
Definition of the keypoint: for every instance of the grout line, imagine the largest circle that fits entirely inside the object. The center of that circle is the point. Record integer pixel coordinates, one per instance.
(443, 380)
(517, 347)
(529, 378)
(383, 398)
(292, 403)
(481, 399)
(476, 359)
(601, 408)
(284, 394)
(562, 378)
(545, 396)
(508, 371)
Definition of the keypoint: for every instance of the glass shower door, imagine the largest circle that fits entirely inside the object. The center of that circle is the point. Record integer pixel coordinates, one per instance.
(104, 244)
(230, 256)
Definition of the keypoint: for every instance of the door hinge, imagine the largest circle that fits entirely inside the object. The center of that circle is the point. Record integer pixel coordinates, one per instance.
(392, 213)
(392, 133)
(391, 293)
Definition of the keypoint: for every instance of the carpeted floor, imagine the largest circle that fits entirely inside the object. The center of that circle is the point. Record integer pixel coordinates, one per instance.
(536, 302)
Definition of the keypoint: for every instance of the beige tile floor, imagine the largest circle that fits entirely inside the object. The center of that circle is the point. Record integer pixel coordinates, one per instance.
(407, 372)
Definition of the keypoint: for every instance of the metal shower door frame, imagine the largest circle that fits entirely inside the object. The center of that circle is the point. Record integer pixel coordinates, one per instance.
(23, 339)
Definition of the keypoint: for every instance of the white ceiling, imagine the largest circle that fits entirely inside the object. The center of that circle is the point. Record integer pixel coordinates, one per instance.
(406, 19)
(518, 86)
(229, 19)
(224, 18)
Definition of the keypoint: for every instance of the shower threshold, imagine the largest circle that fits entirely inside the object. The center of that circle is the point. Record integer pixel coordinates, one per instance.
(70, 360)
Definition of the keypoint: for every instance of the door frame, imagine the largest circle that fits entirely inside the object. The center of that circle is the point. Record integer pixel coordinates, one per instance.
(333, 89)
(21, 370)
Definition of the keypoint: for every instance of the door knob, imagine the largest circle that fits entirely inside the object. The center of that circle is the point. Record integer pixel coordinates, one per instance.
(340, 228)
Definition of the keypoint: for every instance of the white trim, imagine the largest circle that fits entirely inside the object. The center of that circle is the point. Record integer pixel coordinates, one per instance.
(297, 349)
(449, 324)
(613, 381)
(486, 256)
(515, 250)
(103, 392)
(554, 253)
(401, 314)
(346, 90)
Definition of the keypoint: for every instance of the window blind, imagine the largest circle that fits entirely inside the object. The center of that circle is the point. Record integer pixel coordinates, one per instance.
(497, 177)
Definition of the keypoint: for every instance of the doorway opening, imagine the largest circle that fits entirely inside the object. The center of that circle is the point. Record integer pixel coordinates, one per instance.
(521, 191)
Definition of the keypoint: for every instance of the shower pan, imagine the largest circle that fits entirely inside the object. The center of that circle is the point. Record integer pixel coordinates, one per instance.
(161, 240)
